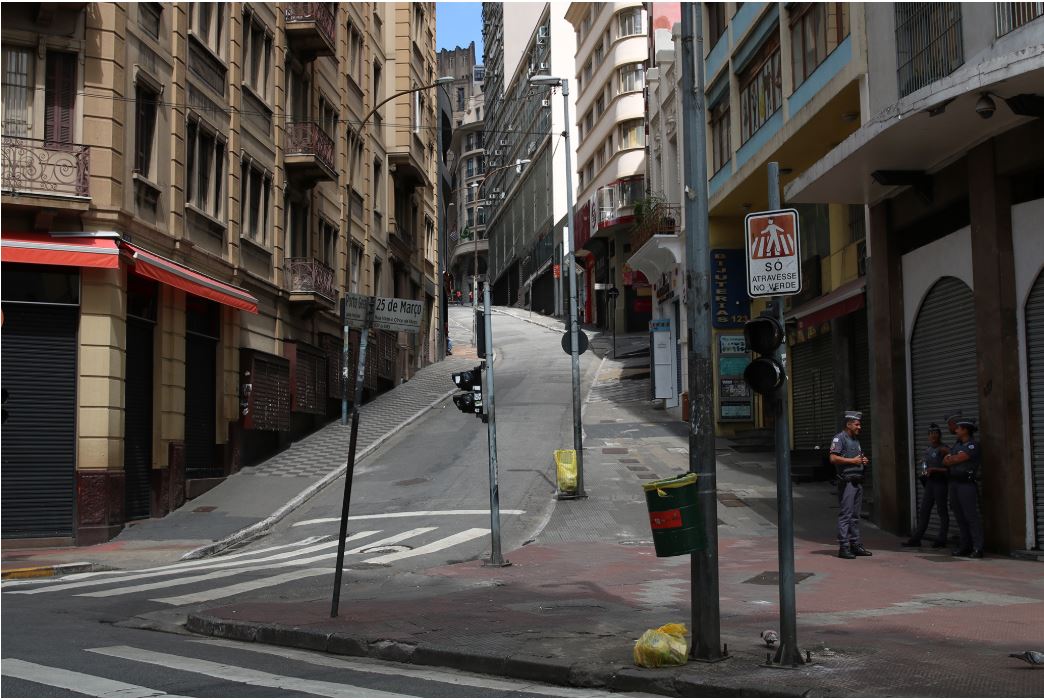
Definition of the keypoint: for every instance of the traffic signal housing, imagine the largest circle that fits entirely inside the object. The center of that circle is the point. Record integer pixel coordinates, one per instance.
(470, 400)
(764, 335)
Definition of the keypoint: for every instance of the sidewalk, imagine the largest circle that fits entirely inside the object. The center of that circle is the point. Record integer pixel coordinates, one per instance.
(568, 610)
(250, 502)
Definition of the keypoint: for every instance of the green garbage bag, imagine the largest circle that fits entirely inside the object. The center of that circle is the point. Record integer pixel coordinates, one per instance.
(664, 646)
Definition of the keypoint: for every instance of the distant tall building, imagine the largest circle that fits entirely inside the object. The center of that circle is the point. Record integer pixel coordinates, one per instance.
(210, 159)
(527, 204)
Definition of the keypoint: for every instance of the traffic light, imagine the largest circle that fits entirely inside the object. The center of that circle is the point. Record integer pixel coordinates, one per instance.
(478, 331)
(764, 335)
(470, 401)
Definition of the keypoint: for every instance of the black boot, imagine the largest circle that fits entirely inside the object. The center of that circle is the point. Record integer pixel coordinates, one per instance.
(960, 552)
(861, 551)
(976, 554)
(845, 553)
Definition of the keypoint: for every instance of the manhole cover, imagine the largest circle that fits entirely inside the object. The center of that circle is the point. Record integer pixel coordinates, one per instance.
(615, 450)
(386, 549)
(630, 461)
(771, 578)
(730, 500)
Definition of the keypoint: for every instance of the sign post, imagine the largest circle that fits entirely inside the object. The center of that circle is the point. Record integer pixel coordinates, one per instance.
(365, 313)
(496, 558)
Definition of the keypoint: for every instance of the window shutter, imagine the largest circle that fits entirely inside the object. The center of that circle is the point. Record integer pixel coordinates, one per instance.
(60, 97)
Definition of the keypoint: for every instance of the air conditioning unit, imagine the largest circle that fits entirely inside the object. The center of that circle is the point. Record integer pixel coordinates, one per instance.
(545, 103)
(543, 65)
(542, 32)
(531, 148)
(503, 142)
(541, 40)
(498, 152)
(497, 190)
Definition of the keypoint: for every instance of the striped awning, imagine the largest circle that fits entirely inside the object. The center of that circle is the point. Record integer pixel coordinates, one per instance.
(185, 278)
(59, 249)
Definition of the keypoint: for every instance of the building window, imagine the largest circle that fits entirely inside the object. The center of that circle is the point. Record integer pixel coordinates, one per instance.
(460, 98)
(356, 267)
(721, 149)
(328, 234)
(378, 186)
(207, 21)
(928, 42)
(761, 92)
(377, 92)
(205, 170)
(60, 97)
(632, 134)
(145, 130)
(355, 50)
(632, 77)
(815, 30)
(149, 16)
(257, 50)
(469, 142)
(470, 167)
(630, 21)
(480, 213)
(715, 22)
(471, 217)
(328, 118)
(18, 90)
(255, 202)
(1012, 15)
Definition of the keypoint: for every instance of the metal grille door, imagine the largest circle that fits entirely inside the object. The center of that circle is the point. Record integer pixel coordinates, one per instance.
(1035, 353)
(943, 368)
(200, 406)
(815, 420)
(39, 425)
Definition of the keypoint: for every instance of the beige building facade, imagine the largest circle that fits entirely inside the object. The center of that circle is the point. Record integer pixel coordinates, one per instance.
(188, 191)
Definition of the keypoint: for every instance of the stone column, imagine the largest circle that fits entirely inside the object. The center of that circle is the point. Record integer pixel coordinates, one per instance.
(888, 375)
(170, 485)
(996, 337)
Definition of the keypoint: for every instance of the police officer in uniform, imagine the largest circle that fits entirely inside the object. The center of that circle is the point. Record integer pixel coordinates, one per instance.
(936, 487)
(848, 459)
(963, 462)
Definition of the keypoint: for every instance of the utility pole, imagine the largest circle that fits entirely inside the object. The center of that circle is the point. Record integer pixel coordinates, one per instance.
(788, 653)
(495, 558)
(706, 614)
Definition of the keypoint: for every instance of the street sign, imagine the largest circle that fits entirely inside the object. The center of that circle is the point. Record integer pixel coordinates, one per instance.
(773, 253)
(581, 343)
(355, 311)
(613, 292)
(399, 315)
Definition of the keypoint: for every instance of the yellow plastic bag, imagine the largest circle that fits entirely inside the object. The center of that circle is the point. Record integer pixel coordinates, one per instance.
(565, 460)
(665, 646)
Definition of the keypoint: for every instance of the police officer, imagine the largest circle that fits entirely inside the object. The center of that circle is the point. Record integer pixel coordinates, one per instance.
(963, 462)
(848, 459)
(936, 487)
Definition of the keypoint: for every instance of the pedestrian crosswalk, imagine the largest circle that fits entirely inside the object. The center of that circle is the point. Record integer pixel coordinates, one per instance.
(200, 581)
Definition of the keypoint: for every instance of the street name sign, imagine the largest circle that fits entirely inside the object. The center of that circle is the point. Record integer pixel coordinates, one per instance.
(399, 315)
(355, 311)
(773, 253)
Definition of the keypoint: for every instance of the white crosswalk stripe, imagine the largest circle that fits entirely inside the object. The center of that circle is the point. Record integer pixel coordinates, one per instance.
(75, 682)
(306, 558)
(238, 674)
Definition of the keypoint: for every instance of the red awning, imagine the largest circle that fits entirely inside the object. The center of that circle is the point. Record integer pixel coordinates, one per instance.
(47, 249)
(177, 275)
(847, 298)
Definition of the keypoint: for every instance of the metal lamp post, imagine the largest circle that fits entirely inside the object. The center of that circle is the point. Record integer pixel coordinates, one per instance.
(346, 350)
(574, 323)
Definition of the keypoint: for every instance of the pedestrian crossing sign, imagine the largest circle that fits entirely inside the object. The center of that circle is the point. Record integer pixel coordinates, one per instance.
(773, 253)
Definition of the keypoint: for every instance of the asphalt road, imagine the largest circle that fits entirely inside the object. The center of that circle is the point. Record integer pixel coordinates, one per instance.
(420, 500)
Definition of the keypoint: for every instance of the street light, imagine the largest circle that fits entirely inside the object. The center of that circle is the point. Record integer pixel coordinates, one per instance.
(517, 165)
(574, 344)
(346, 350)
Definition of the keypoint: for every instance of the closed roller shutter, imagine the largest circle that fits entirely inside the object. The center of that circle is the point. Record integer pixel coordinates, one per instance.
(1035, 353)
(137, 430)
(815, 419)
(39, 426)
(943, 368)
(200, 406)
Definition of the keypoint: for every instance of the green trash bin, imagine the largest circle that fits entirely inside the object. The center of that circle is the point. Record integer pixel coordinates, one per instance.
(675, 516)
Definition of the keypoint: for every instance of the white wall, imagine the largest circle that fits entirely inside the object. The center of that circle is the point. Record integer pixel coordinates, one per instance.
(1028, 243)
(520, 21)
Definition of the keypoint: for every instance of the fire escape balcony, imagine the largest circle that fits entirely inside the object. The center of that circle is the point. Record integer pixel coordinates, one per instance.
(308, 154)
(311, 283)
(311, 28)
(35, 172)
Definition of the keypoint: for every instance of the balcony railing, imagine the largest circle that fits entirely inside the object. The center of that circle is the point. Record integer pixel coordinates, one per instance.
(309, 276)
(308, 139)
(1012, 15)
(321, 13)
(34, 166)
(928, 42)
(660, 219)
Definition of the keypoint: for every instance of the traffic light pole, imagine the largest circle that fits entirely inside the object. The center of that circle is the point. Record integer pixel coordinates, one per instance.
(706, 613)
(360, 372)
(788, 653)
(495, 557)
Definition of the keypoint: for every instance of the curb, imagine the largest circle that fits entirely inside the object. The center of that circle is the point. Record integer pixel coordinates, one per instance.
(528, 320)
(580, 674)
(258, 529)
(47, 570)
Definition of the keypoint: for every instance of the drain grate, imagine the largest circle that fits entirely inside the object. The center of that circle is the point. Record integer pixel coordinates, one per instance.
(771, 578)
(730, 500)
(615, 450)
(630, 461)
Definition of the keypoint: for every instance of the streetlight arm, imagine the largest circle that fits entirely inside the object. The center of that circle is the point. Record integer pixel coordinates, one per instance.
(388, 99)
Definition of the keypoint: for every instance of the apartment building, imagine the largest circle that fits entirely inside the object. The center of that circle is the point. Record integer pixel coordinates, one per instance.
(466, 215)
(948, 159)
(611, 56)
(187, 190)
(524, 122)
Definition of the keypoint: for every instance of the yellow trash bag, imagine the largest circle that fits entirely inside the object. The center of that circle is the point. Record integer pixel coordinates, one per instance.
(565, 460)
(665, 646)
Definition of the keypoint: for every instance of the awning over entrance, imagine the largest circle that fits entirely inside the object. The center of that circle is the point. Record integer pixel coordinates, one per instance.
(844, 300)
(58, 249)
(177, 275)
(657, 255)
